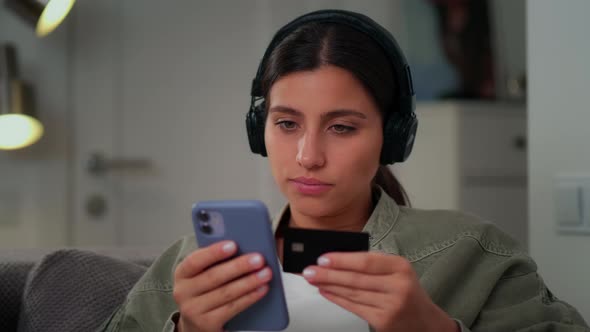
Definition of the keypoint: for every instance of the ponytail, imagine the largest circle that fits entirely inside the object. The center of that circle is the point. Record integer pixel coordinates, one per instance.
(386, 180)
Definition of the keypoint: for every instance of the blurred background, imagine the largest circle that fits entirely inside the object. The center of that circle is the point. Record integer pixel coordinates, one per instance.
(142, 107)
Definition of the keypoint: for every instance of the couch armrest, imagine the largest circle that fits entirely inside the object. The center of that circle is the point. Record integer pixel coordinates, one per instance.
(15, 265)
(75, 290)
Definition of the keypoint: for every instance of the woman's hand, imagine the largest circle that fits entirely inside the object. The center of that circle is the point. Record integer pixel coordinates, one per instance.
(379, 288)
(209, 295)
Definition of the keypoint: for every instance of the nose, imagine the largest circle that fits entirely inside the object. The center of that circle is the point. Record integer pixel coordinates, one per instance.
(310, 152)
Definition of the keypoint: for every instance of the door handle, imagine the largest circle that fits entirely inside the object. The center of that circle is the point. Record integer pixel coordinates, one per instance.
(99, 165)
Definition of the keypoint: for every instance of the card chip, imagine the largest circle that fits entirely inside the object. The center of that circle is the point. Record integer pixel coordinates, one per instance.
(297, 247)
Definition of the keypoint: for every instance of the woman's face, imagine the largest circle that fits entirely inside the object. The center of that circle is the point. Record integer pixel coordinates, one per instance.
(323, 136)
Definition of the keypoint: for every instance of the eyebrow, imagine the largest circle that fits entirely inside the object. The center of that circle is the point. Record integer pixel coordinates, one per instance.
(325, 116)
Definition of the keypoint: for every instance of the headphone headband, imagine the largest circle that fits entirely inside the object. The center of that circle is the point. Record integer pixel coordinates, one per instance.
(361, 23)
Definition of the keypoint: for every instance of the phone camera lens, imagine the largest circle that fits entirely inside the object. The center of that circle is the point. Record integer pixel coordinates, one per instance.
(206, 227)
(203, 215)
(204, 224)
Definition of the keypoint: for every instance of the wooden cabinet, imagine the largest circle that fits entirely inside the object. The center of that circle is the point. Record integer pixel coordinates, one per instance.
(471, 156)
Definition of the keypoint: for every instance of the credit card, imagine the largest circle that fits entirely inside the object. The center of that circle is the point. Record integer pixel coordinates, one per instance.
(302, 247)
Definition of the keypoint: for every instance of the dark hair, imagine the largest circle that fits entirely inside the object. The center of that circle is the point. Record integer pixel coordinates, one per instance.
(317, 44)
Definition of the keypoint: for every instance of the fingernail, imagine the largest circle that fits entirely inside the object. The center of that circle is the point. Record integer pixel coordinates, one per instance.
(262, 289)
(323, 261)
(255, 260)
(263, 274)
(229, 247)
(308, 273)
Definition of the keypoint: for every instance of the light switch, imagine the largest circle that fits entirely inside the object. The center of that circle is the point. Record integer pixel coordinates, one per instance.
(568, 204)
(572, 204)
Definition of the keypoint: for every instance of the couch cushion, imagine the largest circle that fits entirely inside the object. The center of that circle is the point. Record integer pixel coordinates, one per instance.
(75, 290)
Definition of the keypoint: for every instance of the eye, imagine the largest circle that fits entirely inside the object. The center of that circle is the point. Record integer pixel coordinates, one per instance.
(287, 125)
(342, 129)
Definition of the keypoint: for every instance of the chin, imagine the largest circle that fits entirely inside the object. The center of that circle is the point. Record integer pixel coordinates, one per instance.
(313, 206)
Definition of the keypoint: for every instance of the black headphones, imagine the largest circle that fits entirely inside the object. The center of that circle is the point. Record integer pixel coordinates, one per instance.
(400, 125)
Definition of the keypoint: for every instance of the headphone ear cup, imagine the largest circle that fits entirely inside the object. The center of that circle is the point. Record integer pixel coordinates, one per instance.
(399, 134)
(255, 129)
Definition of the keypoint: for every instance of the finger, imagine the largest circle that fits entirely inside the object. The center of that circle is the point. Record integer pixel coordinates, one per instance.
(320, 276)
(365, 262)
(358, 296)
(367, 313)
(234, 290)
(219, 275)
(231, 309)
(199, 260)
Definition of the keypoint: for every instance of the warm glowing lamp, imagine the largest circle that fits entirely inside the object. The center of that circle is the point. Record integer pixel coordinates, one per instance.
(44, 15)
(18, 126)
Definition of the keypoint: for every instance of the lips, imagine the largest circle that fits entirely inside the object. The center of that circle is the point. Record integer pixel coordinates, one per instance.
(309, 181)
(310, 186)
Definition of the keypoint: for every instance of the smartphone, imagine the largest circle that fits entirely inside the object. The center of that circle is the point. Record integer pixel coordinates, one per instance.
(248, 224)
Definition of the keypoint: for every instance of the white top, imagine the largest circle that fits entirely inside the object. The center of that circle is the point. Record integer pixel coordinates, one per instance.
(311, 312)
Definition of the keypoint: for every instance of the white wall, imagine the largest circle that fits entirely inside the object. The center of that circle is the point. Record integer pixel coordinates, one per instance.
(559, 116)
(33, 180)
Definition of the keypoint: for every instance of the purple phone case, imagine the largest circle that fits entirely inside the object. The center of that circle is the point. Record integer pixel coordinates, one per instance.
(248, 224)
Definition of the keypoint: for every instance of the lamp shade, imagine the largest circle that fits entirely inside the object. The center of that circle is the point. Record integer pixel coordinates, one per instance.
(18, 125)
(44, 15)
(18, 131)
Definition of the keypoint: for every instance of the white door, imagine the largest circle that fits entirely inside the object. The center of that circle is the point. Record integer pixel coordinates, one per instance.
(167, 82)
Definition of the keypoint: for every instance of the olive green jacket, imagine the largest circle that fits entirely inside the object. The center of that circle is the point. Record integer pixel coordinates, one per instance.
(470, 269)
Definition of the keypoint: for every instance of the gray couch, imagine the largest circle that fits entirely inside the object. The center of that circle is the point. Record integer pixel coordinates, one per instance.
(66, 289)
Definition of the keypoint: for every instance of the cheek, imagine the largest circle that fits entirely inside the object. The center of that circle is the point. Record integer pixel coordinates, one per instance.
(271, 142)
(278, 150)
(360, 156)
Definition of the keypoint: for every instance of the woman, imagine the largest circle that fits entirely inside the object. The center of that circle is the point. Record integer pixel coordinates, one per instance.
(337, 107)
